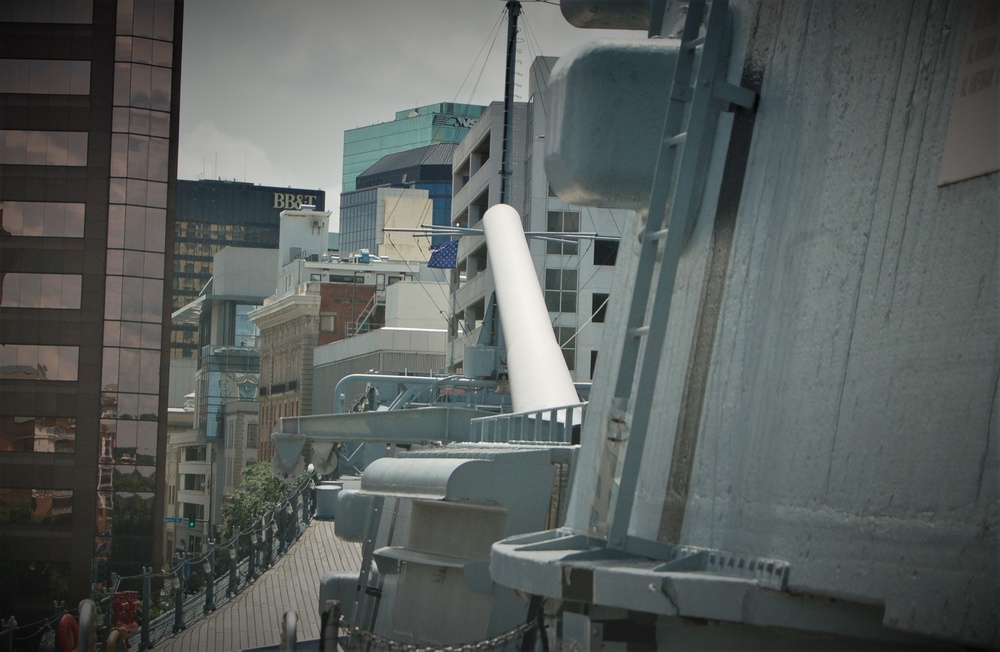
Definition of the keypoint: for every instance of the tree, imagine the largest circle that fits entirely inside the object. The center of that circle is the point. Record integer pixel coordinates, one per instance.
(258, 495)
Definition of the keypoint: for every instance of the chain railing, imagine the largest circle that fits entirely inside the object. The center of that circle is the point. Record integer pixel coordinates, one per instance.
(220, 574)
(337, 633)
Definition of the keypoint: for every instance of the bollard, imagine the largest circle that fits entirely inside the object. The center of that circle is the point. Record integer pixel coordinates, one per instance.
(234, 574)
(330, 627)
(179, 599)
(209, 567)
(147, 598)
(252, 558)
(269, 550)
(7, 628)
(305, 503)
(293, 517)
(281, 526)
(88, 626)
(289, 625)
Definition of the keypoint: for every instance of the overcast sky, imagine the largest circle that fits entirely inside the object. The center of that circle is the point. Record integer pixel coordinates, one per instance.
(269, 86)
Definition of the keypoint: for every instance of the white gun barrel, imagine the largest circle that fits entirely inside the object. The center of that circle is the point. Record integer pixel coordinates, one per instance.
(539, 378)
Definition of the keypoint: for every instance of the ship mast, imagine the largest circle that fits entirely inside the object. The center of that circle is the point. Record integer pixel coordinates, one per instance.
(513, 11)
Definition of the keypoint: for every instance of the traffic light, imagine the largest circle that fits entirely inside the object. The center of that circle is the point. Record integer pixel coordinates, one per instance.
(191, 522)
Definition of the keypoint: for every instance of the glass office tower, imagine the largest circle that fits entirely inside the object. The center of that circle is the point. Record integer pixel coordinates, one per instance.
(89, 94)
(212, 214)
(446, 122)
(423, 168)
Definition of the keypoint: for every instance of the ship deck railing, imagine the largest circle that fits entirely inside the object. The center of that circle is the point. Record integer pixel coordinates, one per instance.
(557, 425)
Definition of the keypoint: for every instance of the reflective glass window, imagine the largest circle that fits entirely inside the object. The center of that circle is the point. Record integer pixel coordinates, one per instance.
(153, 265)
(132, 299)
(38, 362)
(163, 53)
(566, 222)
(142, 50)
(163, 20)
(123, 48)
(133, 515)
(142, 17)
(42, 219)
(152, 300)
(134, 478)
(158, 153)
(19, 290)
(124, 22)
(159, 124)
(246, 331)
(131, 334)
(43, 76)
(123, 77)
(156, 229)
(116, 226)
(138, 121)
(149, 371)
(139, 87)
(43, 148)
(38, 434)
(116, 192)
(159, 90)
(119, 155)
(79, 12)
(560, 290)
(567, 338)
(36, 506)
(138, 159)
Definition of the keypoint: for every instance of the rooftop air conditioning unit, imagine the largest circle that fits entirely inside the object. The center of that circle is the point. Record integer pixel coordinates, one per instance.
(317, 223)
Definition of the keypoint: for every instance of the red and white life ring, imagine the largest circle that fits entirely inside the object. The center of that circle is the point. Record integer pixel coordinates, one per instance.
(69, 633)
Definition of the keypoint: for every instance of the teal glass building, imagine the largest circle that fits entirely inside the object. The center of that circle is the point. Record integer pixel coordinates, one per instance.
(445, 122)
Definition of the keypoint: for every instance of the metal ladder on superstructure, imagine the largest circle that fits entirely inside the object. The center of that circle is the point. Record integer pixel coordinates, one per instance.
(699, 87)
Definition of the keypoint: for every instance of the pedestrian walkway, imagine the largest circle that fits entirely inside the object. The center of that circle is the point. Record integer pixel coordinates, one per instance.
(252, 619)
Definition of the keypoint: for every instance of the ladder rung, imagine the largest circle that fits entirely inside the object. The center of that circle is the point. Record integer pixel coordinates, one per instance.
(658, 235)
(674, 141)
(641, 331)
(694, 43)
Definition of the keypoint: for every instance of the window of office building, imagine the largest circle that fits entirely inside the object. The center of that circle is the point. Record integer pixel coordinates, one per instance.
(599, 307)
(246, 332)
(37, 434)
(567, 342)
(20, 147)
(40, 290)
(41, 219)
(44, 77)
(252, 430)
(605, 252)
(37, 579)
(560, 290)
(80, 12)
(565, 222)
(36, 506)
(38, 362)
